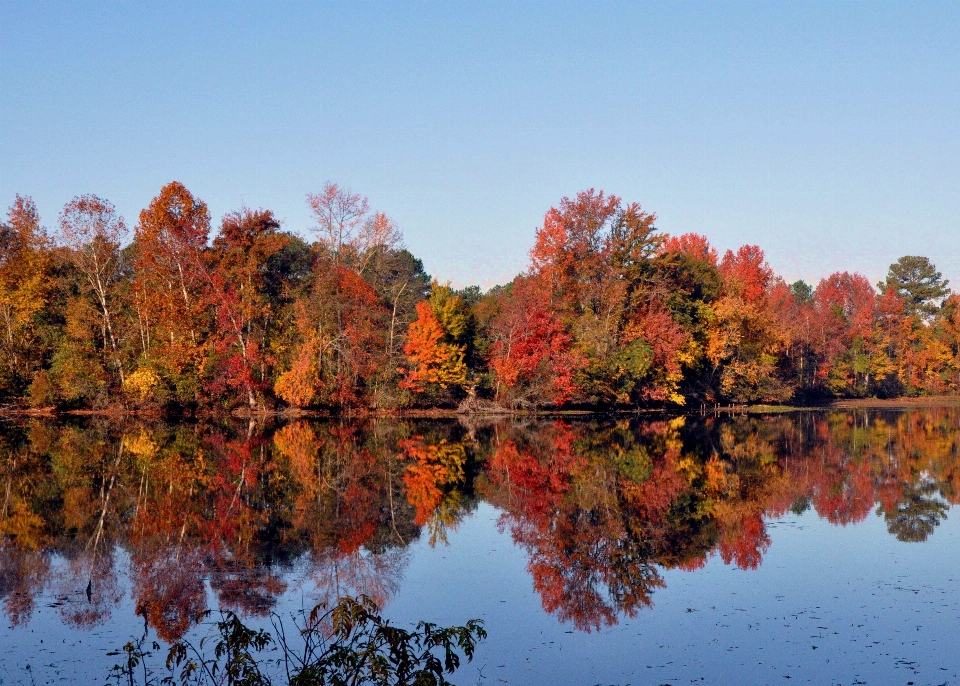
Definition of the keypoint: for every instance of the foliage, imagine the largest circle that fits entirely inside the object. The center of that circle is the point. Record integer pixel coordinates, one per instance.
(610, 313)
(437, 342)
(349, 643)
(917, 281)
(25, 285)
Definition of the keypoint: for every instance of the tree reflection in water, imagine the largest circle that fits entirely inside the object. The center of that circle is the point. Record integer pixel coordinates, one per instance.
(600, 507)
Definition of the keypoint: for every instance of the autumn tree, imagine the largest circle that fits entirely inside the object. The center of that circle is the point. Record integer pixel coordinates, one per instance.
(593, 266)
(531, 354)
(334, 353)
(437, 343)
(171, 294)
(247, 241)
(25, 285)
(845, 311)
(687, 282)
(745, 344)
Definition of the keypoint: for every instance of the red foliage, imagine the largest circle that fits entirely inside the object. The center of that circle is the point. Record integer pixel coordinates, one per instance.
(692, 244)
(532, 355)
(745, 544)
(656, 327)
(846, 306)
(746, 273)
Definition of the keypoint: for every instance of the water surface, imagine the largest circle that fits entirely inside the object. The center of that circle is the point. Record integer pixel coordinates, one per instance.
(806, 548)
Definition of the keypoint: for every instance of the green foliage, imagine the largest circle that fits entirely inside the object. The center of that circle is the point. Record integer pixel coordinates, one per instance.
(918, 512)
(341, 646)
(802, 291)
(452, 313)
(917, 281)
(634, 463)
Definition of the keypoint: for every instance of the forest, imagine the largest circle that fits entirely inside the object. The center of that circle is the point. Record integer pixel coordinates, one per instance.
(611, 313)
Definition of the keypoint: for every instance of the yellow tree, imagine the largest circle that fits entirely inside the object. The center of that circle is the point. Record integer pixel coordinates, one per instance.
(745, 344)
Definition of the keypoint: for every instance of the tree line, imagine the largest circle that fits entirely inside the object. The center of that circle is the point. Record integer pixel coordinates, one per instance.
(610, 313)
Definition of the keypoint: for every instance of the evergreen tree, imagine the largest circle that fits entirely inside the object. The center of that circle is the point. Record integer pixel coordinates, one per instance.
(917, 281)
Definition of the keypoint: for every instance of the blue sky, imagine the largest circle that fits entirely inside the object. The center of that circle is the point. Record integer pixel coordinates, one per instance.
(828, 133)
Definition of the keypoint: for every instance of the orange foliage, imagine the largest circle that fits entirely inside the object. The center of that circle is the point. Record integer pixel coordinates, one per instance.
(433, 360)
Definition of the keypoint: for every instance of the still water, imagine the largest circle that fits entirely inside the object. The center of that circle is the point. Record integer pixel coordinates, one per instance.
(805, 548)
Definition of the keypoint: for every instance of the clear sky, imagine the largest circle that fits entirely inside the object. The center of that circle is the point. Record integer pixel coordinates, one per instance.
(826, 132)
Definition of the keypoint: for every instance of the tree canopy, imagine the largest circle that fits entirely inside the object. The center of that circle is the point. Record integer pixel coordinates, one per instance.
(610, 312)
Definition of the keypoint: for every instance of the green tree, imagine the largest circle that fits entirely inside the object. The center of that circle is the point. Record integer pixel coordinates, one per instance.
(917, 281)
(802, 291)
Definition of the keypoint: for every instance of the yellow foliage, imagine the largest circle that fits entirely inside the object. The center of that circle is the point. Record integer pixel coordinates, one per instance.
(141, 445)
(143, 384)
(450, 310)
(300, 445)
(23, 525)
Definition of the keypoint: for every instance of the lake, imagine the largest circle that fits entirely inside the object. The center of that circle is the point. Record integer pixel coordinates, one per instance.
(811, 547)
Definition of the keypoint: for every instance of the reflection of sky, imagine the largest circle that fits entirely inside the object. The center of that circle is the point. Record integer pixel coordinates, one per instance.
(829, 604)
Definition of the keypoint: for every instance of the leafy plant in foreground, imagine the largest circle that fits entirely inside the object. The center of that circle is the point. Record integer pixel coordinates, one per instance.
(346, 645)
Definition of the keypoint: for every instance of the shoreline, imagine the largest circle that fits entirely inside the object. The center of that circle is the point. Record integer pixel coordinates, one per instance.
(903, 403)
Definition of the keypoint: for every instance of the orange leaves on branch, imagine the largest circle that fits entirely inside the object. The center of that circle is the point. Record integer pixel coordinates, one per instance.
(25, 287)
(298, 385)
(846, 306)
(568, 245)
(173, 233)
(340, 342)
(247, 240)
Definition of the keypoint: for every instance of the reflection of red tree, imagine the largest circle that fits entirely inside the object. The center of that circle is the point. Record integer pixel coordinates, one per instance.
(745, 542)
(538, 473)
(844, 492)
(652, 498)
(587, 564)
(599, 508)
(168, 586)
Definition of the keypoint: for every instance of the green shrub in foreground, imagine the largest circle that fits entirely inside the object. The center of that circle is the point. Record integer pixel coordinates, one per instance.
(347, 645)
